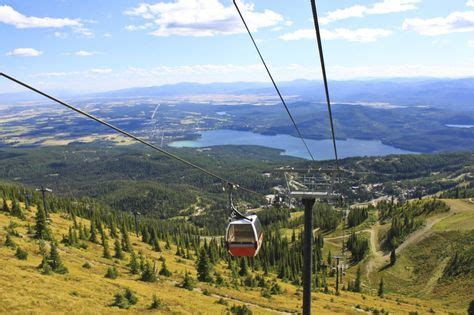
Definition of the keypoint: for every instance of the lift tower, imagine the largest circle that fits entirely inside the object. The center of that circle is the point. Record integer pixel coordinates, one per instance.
(309, 186)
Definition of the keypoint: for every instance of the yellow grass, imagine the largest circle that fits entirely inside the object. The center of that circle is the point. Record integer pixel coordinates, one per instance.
(23, 289)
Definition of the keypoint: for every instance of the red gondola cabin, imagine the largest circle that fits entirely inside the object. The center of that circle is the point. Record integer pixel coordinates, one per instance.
(244, 237)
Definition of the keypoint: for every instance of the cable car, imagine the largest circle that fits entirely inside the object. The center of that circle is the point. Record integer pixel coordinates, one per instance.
(244, 236)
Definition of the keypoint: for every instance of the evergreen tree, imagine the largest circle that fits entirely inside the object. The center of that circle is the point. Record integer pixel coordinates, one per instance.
(112, 273)
(120, 301)
(393, 257)
(105, 244)
(149, 273)
(470, 310)
(145, 236)
(134, 265)
(130, 296)
(357, 283)
(93, 232)
(243, 267)
(5, 207)
(54, 260)
(41, 227)
(16, 211)
(126, 244)
(156, 245)
(21, 254)
(155, 303)
(188, 282)
(381, 290)
(9, 241)
(164, 270)
(118, 249)
(204, 267)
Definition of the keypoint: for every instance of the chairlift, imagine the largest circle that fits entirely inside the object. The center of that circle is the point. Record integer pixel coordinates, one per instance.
(244, 235)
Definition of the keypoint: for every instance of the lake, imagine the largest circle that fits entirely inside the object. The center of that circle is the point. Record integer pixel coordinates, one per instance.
(292, 146)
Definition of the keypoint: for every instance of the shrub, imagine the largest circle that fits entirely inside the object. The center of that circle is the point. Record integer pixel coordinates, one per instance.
(240, 310)
(9, 242)
(111, 273)
(130, 296)
(222, 301)
(87, 265)
(120, 301)
(125, 300)
(156, 303)
(21, 254)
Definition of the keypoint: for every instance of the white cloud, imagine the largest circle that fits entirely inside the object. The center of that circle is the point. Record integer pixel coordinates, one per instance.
(89, 72)
(139, 27)
(470, 3)
(382, 7)
(361, 35)
(84, 32)
(85, 53)
(10, 16)
(201, 18)
(61, 35)
(456, 22)
(24, 52)
(107, 35)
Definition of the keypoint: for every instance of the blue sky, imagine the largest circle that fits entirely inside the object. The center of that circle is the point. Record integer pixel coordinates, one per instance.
(87, 45)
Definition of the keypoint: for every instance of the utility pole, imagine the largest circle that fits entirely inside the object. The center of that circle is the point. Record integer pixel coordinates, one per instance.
(43, 191)
(307, 253)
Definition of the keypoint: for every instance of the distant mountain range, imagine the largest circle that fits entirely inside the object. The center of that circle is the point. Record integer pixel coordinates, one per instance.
(455, 94)
(446, 93)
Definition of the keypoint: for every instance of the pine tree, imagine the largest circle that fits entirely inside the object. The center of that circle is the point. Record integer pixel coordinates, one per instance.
(357, 282)
(164, 270)
(21, 254)
(105, 244)
(93, 232)
(121, 301)
(155, 303)
(112, 273)
(204, 267)
(393, 257)
(5, 207)
(470, 310)
(126, 244)
(188, 282)
(156, 245)
(130, 296)
(9, 242)
(149, 273)
(380, 292)
(16, 211)
(54, 260)
(41, 227)
(118, 249)
(243, 267)
(134, 266)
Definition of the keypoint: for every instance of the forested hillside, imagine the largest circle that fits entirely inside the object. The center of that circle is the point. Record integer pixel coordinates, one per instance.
(81, 245)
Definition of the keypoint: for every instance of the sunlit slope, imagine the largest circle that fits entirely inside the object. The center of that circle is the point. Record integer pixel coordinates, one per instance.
(24, 289)
(436, 261)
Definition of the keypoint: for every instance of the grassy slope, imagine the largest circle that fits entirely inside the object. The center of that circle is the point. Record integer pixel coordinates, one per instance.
(420, 264)
(24, 289)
